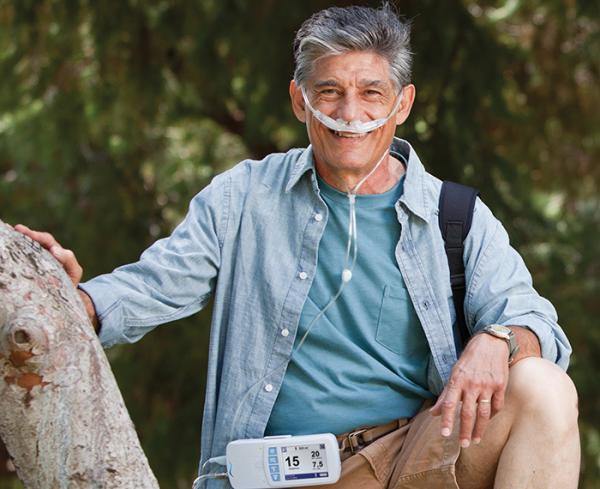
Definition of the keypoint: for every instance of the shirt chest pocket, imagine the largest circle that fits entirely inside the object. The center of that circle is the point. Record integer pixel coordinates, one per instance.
(398, 327)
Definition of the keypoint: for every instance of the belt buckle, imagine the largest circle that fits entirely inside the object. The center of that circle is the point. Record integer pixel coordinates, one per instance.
(355, 441)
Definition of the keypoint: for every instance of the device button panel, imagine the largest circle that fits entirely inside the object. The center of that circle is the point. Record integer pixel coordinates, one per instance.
(274, 464)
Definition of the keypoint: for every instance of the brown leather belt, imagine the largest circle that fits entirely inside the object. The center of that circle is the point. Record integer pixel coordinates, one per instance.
(354, 441)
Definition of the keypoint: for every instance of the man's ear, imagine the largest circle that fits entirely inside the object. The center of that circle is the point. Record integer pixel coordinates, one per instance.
(297, 102)
(408, 97)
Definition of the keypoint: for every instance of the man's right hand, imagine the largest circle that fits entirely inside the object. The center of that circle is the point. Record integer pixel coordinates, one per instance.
(68, 261)
(65, 257)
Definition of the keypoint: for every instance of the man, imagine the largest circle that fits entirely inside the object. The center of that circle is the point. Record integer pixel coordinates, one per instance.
(332, 301)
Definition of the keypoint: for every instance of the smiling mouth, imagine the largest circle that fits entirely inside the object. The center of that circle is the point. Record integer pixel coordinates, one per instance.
(349, 135)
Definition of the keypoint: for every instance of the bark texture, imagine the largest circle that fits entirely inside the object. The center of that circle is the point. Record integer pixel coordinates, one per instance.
(62, 417)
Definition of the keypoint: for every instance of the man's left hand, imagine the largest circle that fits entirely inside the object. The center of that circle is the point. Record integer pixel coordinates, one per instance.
(478, 380)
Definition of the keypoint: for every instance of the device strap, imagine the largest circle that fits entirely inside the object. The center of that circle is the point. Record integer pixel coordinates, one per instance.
(456, 206)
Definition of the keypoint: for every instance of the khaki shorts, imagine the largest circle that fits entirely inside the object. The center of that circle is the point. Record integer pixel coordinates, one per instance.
(415, 456)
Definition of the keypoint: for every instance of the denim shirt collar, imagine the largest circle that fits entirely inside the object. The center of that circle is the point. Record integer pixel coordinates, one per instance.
(414, 185)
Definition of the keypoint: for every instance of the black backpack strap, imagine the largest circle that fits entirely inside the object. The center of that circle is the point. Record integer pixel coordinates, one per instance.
(456, 214)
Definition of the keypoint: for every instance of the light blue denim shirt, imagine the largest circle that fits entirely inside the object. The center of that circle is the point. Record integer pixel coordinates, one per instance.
(251, 239)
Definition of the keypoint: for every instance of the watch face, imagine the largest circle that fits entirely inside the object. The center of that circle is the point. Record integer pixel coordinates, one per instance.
(498, 328)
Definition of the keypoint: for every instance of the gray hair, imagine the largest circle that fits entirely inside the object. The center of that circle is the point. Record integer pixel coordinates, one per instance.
(338, 30)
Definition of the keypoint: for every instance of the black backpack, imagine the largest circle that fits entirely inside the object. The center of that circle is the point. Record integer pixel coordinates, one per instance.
(455, 216)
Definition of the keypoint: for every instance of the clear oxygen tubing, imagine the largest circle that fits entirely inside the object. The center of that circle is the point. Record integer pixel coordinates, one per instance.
(356, 127)
(201, 478)
(346, 276)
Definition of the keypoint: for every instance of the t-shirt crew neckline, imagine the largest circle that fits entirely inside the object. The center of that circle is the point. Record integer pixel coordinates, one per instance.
(366, 200)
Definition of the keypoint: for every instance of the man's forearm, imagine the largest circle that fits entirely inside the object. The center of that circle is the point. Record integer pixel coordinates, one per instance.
(529, 344)
(90, 310)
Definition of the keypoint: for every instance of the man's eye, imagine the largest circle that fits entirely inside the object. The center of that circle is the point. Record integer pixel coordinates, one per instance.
(374, 93)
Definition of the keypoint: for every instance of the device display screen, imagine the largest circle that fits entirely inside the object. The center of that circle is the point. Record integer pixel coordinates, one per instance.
(304, 461)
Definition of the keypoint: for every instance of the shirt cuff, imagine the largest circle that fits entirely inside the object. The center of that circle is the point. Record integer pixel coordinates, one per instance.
(107, 305)
(545, 335)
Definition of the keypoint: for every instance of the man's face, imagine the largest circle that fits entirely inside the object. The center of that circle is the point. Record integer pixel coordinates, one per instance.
(351, 86)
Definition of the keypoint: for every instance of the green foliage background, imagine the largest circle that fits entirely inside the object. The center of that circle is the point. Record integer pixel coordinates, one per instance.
(114, 113)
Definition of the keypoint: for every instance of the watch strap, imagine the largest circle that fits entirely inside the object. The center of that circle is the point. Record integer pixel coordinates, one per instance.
(506, 334)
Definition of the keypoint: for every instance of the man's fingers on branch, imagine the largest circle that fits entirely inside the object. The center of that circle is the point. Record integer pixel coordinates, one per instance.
(44, 239)
(69, 262)
(64, 256)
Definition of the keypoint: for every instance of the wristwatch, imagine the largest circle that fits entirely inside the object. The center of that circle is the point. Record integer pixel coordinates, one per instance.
(505, 334)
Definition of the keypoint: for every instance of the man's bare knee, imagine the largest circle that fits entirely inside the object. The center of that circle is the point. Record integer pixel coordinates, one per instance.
(544, 391)
(541, 398)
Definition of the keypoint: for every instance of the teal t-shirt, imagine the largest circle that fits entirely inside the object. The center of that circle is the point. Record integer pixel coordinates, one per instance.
(365, 361)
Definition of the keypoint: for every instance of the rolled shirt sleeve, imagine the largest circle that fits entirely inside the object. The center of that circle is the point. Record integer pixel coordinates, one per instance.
(173, 278)
(500, 288)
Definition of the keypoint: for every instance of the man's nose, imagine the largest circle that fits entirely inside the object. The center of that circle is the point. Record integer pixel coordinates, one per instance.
(349, 108)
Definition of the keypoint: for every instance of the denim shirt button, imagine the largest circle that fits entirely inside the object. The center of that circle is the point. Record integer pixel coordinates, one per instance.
(269, 387)
(303, 275)
(318, 217)
(285, 332)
